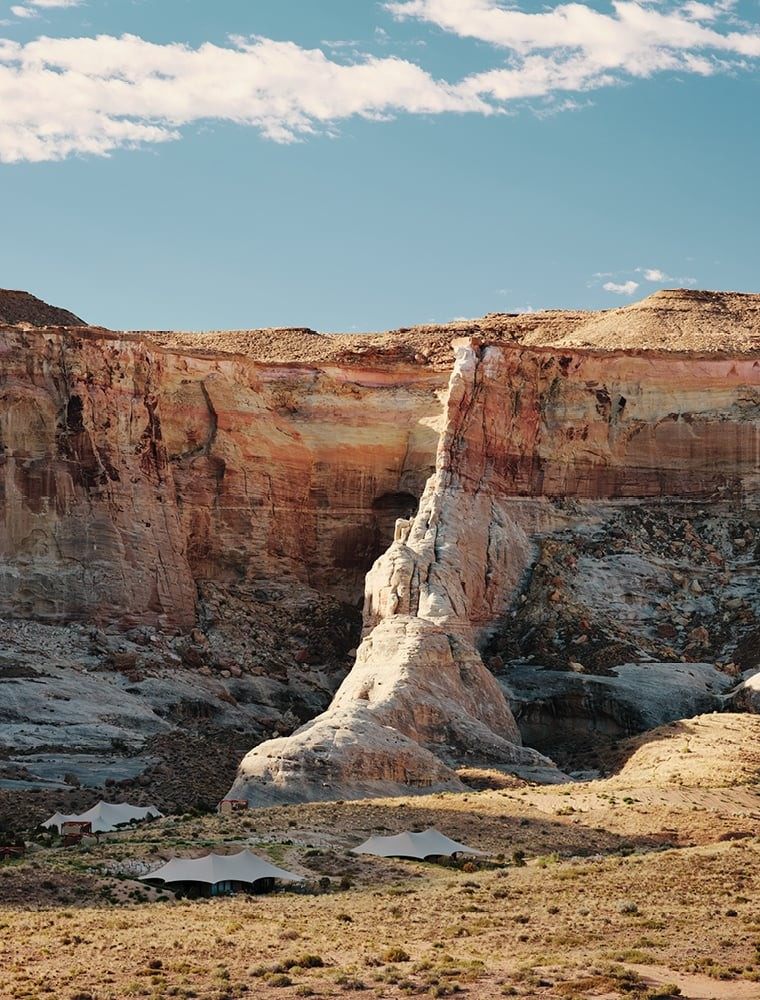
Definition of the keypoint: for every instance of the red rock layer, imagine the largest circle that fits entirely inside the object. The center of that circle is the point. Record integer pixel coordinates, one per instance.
(591, 425)
(129, 472)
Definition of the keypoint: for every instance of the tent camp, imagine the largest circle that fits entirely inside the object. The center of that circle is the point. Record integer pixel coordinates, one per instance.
(105, 817)
(428, 844)
(220, 874)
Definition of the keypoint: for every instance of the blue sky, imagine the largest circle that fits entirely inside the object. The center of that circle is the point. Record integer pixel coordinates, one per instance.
(347, 164)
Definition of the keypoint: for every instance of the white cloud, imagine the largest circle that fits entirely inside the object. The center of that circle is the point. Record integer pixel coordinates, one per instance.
(657, 276)
(626, 288)
(63, 96)
(700, 11)
(653, 274)
(94, 95)
(30, 8)
(574, 47)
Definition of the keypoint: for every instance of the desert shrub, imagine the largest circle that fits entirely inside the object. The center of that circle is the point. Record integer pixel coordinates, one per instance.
(395, 954)
(311, 961)
(278, 979)
(349, 983)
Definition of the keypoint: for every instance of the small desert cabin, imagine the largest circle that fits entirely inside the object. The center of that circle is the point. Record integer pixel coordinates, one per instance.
(104, 817)
(427, 844)
(220, 875)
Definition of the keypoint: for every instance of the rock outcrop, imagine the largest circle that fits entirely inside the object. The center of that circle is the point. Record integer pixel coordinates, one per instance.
(521, 423)
(419, 702)
(218, 499)
(25, 309)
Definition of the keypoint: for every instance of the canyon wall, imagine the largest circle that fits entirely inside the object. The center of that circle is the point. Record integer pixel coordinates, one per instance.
(129, 472)
(217, 504)
(525, 431)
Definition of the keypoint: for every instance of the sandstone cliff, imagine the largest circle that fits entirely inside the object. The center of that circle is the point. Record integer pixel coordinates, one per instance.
(215, 501)
(132, 472)
(520, 422)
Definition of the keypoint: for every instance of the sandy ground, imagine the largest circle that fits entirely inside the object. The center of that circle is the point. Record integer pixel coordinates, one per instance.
(612, 889)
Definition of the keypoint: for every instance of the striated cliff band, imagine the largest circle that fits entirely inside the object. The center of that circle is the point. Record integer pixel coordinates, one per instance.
(556, 515)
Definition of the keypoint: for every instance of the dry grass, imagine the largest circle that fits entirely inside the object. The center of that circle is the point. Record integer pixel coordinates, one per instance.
(679, 320)
(597, 902)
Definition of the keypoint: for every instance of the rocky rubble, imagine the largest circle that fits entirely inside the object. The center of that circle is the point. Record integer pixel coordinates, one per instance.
(634, 582)
(89, 712)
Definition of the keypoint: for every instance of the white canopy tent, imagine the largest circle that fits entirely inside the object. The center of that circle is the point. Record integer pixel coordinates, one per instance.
(214, 869)
(105, 817)
(430, 843)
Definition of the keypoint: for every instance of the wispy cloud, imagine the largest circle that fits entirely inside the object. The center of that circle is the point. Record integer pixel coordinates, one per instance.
(624, 288)
(94, 95)
(63, 96)
(654, 274)
(576, 47)
(626, 281)
(657, 276)
(32, 7)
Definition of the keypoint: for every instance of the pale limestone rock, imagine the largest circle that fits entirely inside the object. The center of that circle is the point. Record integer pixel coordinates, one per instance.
(419, 701)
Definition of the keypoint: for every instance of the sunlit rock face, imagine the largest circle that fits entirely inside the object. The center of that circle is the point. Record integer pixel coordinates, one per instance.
(130, 472)
(593, 425)
(547, 500)
(525, 430)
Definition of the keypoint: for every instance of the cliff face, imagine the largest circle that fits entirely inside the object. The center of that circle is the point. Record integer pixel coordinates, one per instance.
(130, 473)
(520, 423)
(220, 502)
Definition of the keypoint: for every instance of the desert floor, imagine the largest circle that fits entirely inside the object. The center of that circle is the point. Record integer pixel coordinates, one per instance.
(638, 885)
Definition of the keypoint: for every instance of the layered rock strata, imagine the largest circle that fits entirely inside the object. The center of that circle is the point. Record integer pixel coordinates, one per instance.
(212, 503)
(521, 423)
(419, 702)
(130, 472)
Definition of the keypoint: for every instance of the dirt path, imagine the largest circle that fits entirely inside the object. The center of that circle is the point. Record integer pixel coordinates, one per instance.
(697, 987)
(722, 801)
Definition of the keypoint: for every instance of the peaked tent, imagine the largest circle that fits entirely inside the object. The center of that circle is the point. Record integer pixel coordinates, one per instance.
(105, 816)
(428, 844)
(212, 869)
(55, 820)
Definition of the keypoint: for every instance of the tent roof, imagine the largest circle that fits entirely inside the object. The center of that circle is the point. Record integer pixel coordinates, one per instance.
(213, 868)
(427, 844)
(105, 816)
